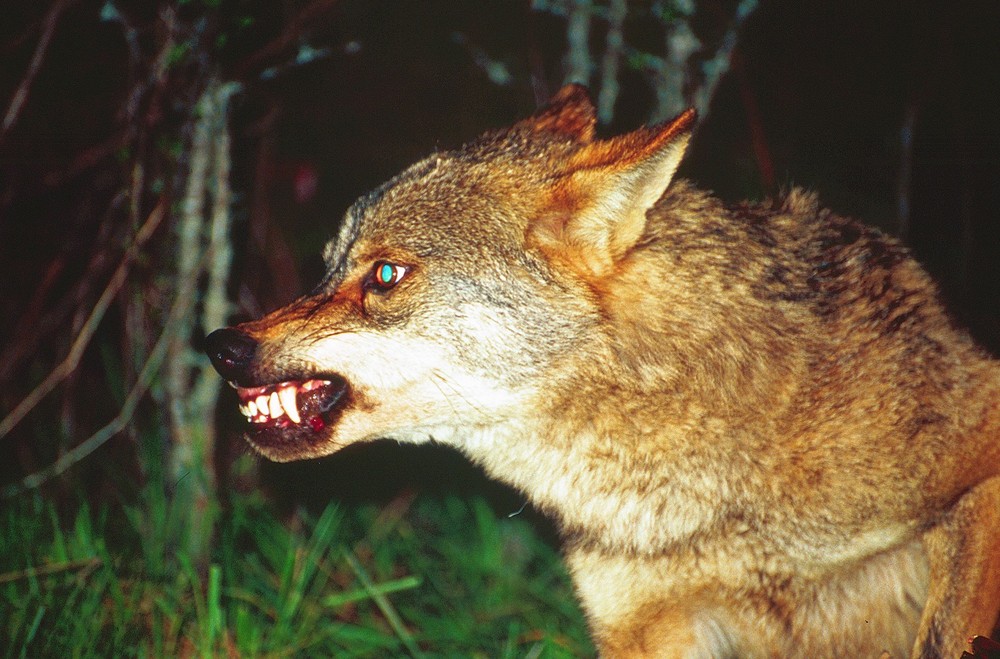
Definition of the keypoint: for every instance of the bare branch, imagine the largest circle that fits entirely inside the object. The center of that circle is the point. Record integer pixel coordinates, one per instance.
(216, 306)
(208, 176)
(72, 360)
(680, 80)
(614, 45)
(578, 62)
(50, 568)
(713, 69)
(681, 44)
(37, 322)
(21, 94)
(758, 138)
(182, 307)
(293, 31)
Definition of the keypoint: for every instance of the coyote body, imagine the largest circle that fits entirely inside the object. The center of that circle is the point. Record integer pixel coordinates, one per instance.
(760, 433)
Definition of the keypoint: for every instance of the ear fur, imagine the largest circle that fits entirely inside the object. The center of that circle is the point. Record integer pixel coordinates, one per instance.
(598, 209)
(569, 113)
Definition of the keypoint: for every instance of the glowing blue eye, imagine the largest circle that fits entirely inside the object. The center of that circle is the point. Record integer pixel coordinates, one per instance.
(388, 275)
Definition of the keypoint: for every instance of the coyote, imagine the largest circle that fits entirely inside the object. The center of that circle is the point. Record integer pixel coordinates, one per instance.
(759, 431)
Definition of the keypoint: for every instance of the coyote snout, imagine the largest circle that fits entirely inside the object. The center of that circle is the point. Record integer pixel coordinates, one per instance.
(757, 427)
(288, 411)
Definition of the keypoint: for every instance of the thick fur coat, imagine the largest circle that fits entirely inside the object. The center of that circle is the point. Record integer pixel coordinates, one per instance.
(757, 427)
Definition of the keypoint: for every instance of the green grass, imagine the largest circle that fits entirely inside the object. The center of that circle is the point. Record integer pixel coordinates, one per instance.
(426, 577)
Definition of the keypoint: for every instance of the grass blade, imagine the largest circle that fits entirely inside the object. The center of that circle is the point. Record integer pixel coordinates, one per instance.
(383, 604)
(358, 594)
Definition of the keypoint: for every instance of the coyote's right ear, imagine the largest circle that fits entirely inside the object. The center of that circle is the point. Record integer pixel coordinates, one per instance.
(568, 113)
(597, 211)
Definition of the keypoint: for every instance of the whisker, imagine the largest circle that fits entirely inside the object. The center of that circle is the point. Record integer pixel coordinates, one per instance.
(441, 377)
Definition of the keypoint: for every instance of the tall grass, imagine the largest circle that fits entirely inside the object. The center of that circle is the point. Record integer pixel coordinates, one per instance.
(425, 577)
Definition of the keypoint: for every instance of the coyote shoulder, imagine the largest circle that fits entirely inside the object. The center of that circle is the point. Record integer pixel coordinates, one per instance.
(759, 431)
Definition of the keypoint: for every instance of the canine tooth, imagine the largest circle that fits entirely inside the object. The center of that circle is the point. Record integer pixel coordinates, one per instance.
(262, 405)
(251, 409)
(287, 397)
(274, 405)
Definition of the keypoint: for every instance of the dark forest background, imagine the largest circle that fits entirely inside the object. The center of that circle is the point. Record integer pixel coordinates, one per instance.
(169, 167)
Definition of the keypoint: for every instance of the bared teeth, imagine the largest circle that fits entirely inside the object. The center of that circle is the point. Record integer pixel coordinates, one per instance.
(287, 396)
(260, 404)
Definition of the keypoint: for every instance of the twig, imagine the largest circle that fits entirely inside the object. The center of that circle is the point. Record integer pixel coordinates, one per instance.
(72, 360)
(714, 68)
(21, 95)
(36, 323)
(675, 71)
(294, 28)
(755, 122)
(495, 69)
(51, 568)
(183, 303)
(88, 158)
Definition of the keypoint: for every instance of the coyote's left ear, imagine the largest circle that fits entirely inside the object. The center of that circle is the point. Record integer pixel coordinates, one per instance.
(569, 113)
(598, 209)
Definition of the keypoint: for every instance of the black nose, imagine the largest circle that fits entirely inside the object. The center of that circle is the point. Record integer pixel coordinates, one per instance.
(232, 353)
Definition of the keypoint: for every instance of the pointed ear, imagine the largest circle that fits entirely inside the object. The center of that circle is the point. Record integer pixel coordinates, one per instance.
(569, 113)
(598, 209)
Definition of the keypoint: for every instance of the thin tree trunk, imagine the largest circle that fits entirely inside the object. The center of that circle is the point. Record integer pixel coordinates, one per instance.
(191, 389)
(578, 61)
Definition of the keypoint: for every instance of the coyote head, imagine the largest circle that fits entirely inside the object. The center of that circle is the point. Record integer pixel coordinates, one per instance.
(454, 292)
